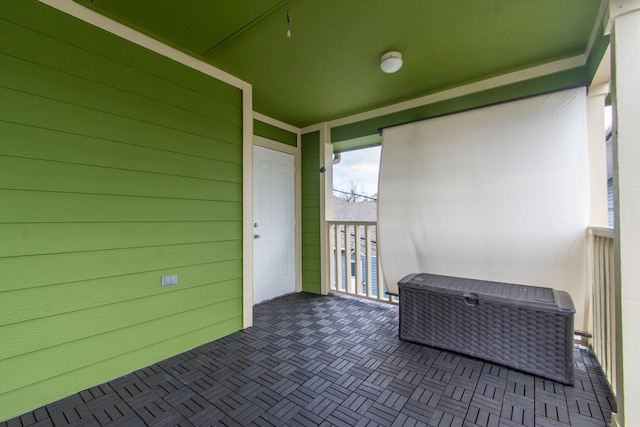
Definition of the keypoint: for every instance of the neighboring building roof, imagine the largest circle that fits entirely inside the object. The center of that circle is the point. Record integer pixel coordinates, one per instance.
(354, 211)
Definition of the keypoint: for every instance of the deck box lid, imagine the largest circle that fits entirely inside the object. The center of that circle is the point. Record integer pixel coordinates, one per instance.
(475, 291)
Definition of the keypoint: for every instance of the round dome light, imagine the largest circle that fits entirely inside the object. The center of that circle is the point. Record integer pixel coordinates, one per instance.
(391, 62)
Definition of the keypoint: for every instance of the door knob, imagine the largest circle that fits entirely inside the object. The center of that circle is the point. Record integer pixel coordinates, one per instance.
(256, 236)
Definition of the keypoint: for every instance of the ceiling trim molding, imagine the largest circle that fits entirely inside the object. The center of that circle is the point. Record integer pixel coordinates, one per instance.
(313, 128)
(277, 123)
(94, 18)
(603, 72)
(602, 89)
(492, 83)
(597, 27)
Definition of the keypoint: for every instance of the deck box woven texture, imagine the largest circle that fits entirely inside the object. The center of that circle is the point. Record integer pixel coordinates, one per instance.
(528, 328)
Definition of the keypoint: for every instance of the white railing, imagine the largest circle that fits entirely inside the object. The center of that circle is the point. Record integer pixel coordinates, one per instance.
(605, 297)
(353, 260)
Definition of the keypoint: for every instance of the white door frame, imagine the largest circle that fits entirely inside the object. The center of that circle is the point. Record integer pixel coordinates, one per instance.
(296, 153)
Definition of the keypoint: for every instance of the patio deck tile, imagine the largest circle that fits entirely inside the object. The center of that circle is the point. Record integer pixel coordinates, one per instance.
(331, 361)
(417, 411)
(478, 417)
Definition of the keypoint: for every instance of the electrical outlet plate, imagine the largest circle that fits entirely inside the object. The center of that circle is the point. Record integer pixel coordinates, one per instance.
(170, 280)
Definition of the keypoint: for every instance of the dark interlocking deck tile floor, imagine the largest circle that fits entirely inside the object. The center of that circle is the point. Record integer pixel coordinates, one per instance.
(322, 361)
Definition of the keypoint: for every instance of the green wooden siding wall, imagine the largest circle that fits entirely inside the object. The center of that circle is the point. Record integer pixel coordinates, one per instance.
(274, 133)
(311, 212)
(117, 166)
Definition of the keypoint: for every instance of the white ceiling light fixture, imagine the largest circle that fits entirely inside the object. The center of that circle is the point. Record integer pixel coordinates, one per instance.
(391, 62)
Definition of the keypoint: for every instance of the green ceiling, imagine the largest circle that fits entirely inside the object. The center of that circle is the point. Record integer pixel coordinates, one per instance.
(329, 67)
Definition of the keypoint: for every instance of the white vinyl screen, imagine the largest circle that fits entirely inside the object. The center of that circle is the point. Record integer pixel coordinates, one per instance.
(498, 193)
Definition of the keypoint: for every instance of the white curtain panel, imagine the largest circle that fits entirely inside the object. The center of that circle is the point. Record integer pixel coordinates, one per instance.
(499, 193)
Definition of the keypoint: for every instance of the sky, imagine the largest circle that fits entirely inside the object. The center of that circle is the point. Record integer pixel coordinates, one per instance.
(361, 167)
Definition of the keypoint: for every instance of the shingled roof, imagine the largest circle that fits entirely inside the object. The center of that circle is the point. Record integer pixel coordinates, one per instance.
(354, 211)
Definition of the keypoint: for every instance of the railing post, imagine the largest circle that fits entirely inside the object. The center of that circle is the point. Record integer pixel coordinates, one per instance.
(347, 258)
(369, 260)
(338, 256)
(357, 258)
(605, 289)
(333, 247)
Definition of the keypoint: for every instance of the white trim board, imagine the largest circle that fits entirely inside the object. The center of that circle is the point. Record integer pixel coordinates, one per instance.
(247, 206)
(492, 83)
(277, 123)
(94, 18)
(315, 128)
(604, 8)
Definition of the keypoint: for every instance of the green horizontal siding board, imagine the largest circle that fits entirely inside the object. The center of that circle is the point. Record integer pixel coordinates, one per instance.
(311, 282)
(38, 394)
(313, 275)
(310, 165)
(311, 176)
(310, 138)
(311, 252)
(48, 238)
(311, 188)
(311, 211)
(17, 173)
(49, 362)
(44, 301)
(310, 264)
(41, 270)
(311, 237)
(274, 133)
(311, 183)
(52, 24)
(312, 200)
(209, 161)
(37, 111)
(313, 288)
(30, 336)
(29, 206)
(550, 83)
(44, 81)
(311, 231)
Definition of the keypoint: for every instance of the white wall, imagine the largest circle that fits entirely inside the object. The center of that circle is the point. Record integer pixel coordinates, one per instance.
(499, 193)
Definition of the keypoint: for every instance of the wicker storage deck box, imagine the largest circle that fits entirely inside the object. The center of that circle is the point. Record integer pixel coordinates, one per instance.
(524, 327)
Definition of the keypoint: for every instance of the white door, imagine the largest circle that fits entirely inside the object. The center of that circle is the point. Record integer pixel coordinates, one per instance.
(273, 224)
